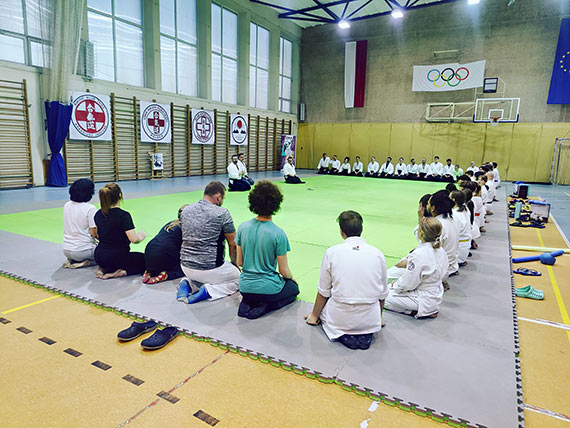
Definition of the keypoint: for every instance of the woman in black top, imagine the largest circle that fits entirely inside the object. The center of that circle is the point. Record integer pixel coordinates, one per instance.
(162, 253)
(116, 232)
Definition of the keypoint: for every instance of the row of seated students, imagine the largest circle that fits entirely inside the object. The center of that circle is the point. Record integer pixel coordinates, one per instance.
(435, 171)
(354, 286)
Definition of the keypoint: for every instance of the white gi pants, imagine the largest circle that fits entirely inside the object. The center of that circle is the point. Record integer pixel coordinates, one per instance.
(463, 250)
(219, 282)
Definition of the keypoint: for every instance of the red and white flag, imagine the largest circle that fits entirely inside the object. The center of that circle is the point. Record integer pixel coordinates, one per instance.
(354, 73)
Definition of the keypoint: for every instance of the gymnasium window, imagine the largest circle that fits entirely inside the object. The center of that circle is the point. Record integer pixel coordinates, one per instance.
(178, 46)
(224, 55)
(258, 66)
(285, 56)
(24, 31)
(115, 29)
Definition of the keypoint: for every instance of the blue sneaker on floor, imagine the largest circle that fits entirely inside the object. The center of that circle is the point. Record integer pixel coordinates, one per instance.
(183, 290)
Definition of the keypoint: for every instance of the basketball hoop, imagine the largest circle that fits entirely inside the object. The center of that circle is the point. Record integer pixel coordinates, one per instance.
(495, 120)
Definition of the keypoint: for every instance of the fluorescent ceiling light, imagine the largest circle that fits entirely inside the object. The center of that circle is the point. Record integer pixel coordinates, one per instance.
(473, 1)
(343, 24)
(397, 14)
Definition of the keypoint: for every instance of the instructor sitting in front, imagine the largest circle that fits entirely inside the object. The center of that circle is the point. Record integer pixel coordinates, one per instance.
(237, 181)
(352, 287)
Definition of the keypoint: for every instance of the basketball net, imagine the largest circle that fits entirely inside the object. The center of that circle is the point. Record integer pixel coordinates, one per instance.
(495, 120)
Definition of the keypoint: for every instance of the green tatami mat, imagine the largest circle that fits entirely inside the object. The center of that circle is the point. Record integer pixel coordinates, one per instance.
(308, 216)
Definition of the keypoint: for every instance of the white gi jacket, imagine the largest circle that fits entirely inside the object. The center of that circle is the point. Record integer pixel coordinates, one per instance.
(233, 171)
(357, 167)
(424, 169)
(324, 163)
(426, 269)
(479, 213)
(463, 222)
(353, 277)
(345, 166)
(449, 170)
(373, 167)
(336, 164)
(242, 169)
(449, 242)
(496, 176)
(412, 169)
(387, 169)
(436, 168)
(289, 169)
(401, 169)
(473, 168)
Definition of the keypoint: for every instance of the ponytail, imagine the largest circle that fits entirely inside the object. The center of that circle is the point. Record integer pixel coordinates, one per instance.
(430, 230)
(436, 244)
(109, 195)
(175, 223)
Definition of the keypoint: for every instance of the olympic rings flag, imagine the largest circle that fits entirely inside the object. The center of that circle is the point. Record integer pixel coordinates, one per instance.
(448, 77)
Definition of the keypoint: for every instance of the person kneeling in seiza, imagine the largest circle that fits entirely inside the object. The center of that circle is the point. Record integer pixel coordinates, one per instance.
(262, 247)
(289, 172)
(419, 290)
(352, 287)
(237, 182)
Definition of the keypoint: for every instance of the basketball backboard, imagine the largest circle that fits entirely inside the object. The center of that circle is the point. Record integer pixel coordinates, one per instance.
(505, 109)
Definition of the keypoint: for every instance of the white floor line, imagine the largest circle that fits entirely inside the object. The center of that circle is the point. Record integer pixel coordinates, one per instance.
(546, 322)
(561, 231)
(547, 412)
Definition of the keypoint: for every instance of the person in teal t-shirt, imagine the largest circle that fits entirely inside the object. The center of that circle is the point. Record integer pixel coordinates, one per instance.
(266, 282)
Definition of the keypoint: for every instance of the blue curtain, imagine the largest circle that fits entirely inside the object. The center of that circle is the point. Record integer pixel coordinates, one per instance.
(58, 117)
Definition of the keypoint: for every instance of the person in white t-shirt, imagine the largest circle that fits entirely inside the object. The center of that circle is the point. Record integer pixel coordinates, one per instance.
(448, 172)
(436, 169)
(473, 167)
(289, 172)
(79, 229)
(400, 170)
(357, 167)
(345, 167)
(373, 168)
(352, 287)
(423, 169)
(335, 166)
(237, 183)
(412, 168)
(387, 169)
(243, 169)
(323, 166)
(418, 291)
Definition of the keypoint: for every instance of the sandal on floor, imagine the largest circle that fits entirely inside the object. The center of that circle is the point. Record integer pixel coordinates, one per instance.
(527, 272)
(160, 338)
(135, 330)
(529, 292)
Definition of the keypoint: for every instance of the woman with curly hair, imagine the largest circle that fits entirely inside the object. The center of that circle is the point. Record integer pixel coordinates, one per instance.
(266, 282)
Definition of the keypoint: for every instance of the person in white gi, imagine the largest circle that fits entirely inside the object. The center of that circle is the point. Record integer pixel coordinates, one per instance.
(323, 167)
(345, 167)
(440, 206)
(448, 171)
(335, 166)
(479, 210)
(462, 219)
(289, 172)
(387, 169)
(237, 182)
(243, 169)
(424, 169)
(412, 168)
(401, 171)
(435, 169)
(419, 291)
(473, 167)
(373, 168)
(496, 175)
(352, 287)
(357, 167)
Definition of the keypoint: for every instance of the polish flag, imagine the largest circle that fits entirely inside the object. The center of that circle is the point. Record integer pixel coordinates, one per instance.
(354, 73)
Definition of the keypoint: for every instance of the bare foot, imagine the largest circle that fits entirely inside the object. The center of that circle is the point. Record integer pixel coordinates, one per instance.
(312, 320)
(99, 273)
(445, 286)
(117, 274)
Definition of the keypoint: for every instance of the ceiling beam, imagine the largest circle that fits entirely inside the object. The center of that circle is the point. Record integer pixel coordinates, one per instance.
(309, 9)
(327, 10)
(359, 9)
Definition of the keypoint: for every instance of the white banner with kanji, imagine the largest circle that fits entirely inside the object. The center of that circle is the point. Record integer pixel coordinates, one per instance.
(239, 130)
(203, 127)
(155, 123)
(91, 117)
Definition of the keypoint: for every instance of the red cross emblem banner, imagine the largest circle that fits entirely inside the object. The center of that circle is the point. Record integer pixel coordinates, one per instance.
(203, 127)
(155, 123)
(91, 117)
(448, 77)
(239, 130)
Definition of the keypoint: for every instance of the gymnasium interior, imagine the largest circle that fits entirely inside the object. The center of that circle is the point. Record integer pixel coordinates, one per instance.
(155, 95)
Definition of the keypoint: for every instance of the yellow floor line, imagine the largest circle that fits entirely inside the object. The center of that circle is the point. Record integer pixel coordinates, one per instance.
(559, 300)
(29, 304)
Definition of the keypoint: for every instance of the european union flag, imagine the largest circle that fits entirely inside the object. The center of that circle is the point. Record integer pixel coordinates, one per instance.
(560, 82)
